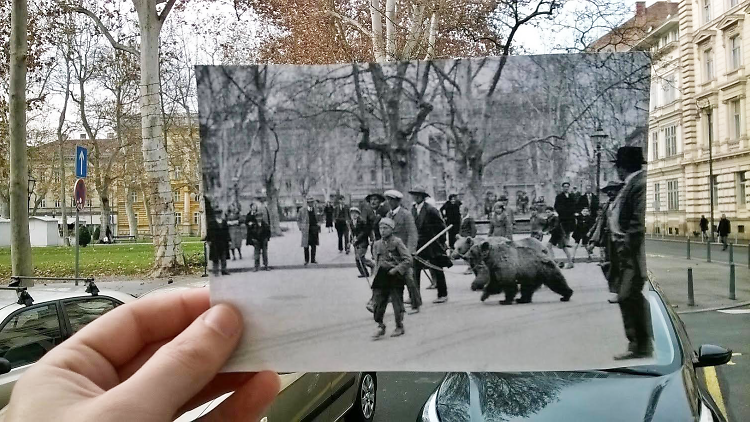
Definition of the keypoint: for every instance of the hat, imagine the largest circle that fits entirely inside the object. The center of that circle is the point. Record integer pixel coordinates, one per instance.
(565, 183)
(502, 198)
(388, 222)
(375, 195)
(310, 199)
(629, 155)
(394, 194)
(453, 195)
(355, 209)
(612, 186)
(419, 190)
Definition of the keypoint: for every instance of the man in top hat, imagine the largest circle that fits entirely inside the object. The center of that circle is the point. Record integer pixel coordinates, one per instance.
(307, 221)
(429, 224)
(405, 229)
(626, 222)
(451, 212)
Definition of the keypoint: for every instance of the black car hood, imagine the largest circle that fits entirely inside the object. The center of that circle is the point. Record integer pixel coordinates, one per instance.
(563, 396)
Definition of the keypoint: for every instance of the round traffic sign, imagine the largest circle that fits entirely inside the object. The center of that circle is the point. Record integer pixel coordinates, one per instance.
(79, 193)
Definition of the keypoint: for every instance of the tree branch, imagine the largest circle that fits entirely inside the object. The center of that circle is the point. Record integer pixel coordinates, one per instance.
(348, 20)
(104, 30)
(166, 10)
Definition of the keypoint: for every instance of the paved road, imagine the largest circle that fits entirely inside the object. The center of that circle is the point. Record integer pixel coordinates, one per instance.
(698, 251)
(730, 329)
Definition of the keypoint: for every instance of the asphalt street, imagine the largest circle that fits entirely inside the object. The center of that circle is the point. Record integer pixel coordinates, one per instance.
(698, 251)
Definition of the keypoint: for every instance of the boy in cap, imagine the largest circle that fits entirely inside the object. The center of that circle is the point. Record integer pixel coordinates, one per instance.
(392, 264)
(361, 231)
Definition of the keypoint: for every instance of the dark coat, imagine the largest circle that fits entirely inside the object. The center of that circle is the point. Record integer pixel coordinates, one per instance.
(341, 213)
(566, 206)
(257, 230)
(452, 213)
(389, 254)
(704, 224)
(591, 203)
(218, 238)
(429, 224)
(328, 211)
(629, 254)
(361, 231)
(583, 227)
(724, 227)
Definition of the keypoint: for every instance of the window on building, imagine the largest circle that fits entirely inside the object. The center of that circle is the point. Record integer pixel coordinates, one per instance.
(673, 195)
(715, 187)
(669, 89)
(741, 183)
(43, 203)
(57, 203)
(196, 218)
(57, 176)
(176, 197)
(657, 196)
(83, 136)
(373, 176)
(177, 173)
(387, 176)
(136, 218)
(708, 61)
(178, 217)
(134, 196)
(736, 123)
(655, 146)
(735, 46)
(670, 137)
(706, 11)
(89, 202)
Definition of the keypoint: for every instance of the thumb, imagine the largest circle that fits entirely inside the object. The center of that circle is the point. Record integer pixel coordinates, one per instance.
(183, 367)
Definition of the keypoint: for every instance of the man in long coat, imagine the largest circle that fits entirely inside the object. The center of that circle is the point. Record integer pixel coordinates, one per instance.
(307, 221)
(566, 207)
(340, 221)
(627, 226)
(724, 229)
(451, 212)
(429, 224)
(589, 200)
(406, 230)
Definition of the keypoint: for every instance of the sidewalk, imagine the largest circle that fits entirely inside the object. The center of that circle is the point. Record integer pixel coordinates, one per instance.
(710, 282)
(695, 241)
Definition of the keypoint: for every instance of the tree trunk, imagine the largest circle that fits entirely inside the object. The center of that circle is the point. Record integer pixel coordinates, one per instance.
(147, 208)
(132, 221)
(168, 257)
(20, 243)
(63, 205)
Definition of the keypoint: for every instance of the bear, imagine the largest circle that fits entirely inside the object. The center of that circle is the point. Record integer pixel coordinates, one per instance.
(510, 265)
(463, 246)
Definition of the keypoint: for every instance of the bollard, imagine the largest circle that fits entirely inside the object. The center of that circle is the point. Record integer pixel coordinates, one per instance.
(205, 261)
(691, 296)
(708, 251)
(731, 254)
(731, 282)
(688, 248)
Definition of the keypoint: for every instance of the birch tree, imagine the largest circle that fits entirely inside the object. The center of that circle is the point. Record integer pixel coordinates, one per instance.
(168, 253)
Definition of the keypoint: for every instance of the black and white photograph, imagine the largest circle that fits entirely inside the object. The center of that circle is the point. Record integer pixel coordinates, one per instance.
(451, 215)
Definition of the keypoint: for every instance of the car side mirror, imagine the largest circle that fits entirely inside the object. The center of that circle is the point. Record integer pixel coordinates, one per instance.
(5, 366)
(710, 355)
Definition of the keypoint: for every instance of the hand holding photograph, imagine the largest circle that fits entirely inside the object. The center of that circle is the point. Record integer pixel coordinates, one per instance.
(449, 215)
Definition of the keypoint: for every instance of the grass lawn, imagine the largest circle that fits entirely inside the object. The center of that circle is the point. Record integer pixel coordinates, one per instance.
(98, 260)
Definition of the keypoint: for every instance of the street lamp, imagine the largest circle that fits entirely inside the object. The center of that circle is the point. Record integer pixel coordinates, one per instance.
(32, 183)
(709, 116)
(597, 138)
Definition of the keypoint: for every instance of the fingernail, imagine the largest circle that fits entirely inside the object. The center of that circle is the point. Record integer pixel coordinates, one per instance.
(224, 320)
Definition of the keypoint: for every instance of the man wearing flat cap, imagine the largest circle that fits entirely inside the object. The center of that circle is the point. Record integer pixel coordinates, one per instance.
(307, 221)
(626, 223)
(405, 229)
(429, 224)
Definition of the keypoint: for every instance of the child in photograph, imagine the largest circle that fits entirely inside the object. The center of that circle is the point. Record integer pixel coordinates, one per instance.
(392, 261)
(557, 236)
(218, 242)
(537, 224)
(361, 232)
(584, 223)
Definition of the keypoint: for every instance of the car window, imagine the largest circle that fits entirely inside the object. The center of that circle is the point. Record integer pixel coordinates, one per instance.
(29, 334)
(82, 311)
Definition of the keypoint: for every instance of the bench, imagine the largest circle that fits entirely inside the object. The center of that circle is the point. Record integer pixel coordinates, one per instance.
(127, 238)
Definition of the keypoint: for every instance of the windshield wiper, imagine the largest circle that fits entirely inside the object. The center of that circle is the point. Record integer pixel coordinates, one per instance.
(633, 371)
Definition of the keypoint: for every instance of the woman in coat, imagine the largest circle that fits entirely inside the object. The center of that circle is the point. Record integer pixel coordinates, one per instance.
(501, 224)
(236, 230)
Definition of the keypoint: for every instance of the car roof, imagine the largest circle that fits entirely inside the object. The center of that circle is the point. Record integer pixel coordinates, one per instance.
(9, 298)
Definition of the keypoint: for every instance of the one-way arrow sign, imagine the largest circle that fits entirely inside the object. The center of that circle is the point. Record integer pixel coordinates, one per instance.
(82, 158)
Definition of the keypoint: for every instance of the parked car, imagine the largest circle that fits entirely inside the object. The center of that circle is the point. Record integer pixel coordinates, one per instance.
(667, 390)
(37, 319)
(314, 397)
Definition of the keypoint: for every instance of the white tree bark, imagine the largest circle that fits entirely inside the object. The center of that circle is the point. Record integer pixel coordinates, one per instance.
(168, 255)
(61, 140)
(390, 30)
(378, 50)
(20, 243)
(432, 38)
(132, 221)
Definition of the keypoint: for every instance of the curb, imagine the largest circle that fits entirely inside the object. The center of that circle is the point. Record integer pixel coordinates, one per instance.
(716, 308)
(736, 245)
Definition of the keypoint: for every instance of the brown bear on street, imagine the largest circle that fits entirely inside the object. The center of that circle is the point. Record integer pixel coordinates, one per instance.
(507, 265)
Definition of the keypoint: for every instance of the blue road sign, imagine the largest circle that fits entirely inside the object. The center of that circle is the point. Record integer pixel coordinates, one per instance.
(82, 162)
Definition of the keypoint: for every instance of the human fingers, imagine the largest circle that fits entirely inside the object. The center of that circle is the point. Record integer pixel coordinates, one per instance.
(181, 368)
(249, 402)
(115, 338)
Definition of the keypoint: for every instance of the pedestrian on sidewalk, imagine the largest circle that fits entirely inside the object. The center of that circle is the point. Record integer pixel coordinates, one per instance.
(377, 209)
(554, 228)
(451, 212)
(406, 230)
(566, 205)
(627, 227)
(235, 231)
(217, 236)
(307, 221)
(328, 211)
(537, 225)
(724, 229)
(429, 224)
(584, 223)
(258, 235)
(501, 223)
(704, 228)
(361, 232)
(340, 218)
(392, 266)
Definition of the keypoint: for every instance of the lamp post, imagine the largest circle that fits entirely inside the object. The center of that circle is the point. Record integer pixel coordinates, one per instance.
(709, 116)
(32, 183)
(597, 138)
